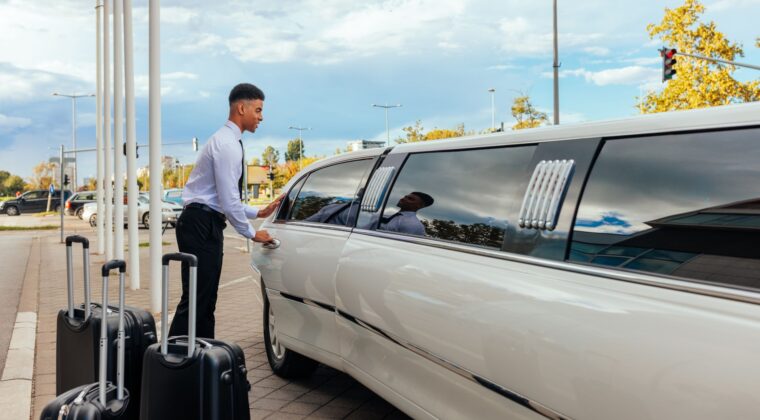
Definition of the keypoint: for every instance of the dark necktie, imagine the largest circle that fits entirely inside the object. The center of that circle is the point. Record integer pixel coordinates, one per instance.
(240, 181)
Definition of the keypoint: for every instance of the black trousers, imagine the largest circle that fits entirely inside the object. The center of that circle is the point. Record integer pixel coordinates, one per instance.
(199, 232)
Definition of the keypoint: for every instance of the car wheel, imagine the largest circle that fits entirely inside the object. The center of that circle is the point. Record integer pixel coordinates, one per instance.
(284, 363)
(146, 220)
(94, 220)
(11, 211)
(79, 212)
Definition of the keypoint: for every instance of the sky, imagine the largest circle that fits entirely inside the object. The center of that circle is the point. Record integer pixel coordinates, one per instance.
(323, 63)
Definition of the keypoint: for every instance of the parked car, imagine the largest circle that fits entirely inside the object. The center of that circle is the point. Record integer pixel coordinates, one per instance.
(33, 202)
(174, 195)
(170, 212)
(595, 271)
(75, 203)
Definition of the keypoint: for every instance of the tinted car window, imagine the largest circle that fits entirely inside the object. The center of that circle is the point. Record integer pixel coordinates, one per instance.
(461, 196)
(33, 195)
(683, 205)
(328, 193)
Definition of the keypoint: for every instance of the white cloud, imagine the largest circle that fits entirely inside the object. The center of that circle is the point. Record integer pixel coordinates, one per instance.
(721, 5)
(8, 124)
(630, 75)
(601, 51)
(520, 35)
(172, 86)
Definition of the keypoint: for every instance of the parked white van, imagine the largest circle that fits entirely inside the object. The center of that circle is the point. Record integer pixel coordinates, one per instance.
(599, 271)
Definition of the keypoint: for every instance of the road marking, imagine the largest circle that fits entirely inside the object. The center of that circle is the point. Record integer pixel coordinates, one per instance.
(236, 281)
(16, 382)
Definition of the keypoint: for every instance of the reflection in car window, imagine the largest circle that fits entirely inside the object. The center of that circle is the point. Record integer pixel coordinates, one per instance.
(461, 196)
(328, 193)
(684, 205)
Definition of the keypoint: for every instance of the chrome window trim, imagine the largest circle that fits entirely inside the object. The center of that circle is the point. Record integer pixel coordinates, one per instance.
(450, 366)
(689, 286)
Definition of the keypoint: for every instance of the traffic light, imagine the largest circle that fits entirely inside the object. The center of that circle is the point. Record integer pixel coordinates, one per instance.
(270, 176)
(668, 61)
(65, 179)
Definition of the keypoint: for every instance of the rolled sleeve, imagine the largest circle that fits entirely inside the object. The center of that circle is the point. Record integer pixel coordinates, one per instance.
(227, 171)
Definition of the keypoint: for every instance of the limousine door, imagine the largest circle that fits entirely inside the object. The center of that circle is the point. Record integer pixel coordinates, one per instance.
(299, 275)
(433, 319)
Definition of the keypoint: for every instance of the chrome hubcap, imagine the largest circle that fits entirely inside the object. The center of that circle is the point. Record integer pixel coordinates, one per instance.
(277, 350)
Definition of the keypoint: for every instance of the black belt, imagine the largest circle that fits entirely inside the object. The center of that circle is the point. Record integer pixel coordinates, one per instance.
(205, 208)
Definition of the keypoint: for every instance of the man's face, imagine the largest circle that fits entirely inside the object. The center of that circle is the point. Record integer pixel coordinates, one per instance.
(253, 114)
(410, 202)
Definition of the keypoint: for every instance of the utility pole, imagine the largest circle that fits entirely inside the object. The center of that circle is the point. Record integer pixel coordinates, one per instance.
(300, 143)
(556, 69)
(387, 133)
(74, 98)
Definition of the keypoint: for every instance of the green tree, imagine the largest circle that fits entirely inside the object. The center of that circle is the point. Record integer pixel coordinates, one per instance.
(698, 83)
(12, 184)
(526, 115)
(295, 148)
(270, 156)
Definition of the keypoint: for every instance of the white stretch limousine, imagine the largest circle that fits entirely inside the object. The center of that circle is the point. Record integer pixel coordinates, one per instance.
(599, 271)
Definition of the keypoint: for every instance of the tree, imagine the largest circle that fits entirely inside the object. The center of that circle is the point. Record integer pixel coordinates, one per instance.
(43, 175)
(526, 115)
(12, 184)
(295, 148)
(415, 133)
(270, 156)
(698, 83)
(256, 161)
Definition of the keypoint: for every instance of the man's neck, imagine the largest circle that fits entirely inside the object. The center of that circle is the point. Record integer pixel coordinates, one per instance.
(237, 123)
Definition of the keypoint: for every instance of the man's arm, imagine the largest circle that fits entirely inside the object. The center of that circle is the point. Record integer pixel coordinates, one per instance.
(227, 171)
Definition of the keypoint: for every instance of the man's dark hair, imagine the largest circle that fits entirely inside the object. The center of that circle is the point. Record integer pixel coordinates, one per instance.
(245, 91)
(428, 200)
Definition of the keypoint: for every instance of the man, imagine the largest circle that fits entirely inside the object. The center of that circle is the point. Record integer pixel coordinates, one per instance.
(211, 197)
(405, 220)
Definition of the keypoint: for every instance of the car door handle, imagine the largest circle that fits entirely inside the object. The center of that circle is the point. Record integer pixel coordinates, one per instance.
(272, 245)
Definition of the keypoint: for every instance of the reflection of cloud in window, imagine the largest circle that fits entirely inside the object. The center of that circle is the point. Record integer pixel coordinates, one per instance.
(609, 222)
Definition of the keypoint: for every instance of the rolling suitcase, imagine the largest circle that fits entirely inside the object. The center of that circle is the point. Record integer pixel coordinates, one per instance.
(102, 399)
(192, 378)
(78, 338)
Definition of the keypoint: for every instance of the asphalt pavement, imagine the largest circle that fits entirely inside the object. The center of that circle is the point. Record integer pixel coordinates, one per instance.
(15, 249)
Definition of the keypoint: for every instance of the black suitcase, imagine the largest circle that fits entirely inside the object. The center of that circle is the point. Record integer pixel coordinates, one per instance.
(78, 337)
(86, 402)
(192, 378)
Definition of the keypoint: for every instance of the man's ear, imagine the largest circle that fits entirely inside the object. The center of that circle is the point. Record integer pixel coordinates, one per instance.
(240, 107)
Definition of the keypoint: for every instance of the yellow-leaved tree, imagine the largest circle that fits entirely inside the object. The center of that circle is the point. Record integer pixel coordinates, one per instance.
(416, 133)
(526, 115)
(698, 83)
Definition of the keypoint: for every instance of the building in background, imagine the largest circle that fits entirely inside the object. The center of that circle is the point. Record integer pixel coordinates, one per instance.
(364, 144)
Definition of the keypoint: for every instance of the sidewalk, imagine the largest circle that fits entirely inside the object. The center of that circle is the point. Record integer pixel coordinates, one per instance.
(327, 394)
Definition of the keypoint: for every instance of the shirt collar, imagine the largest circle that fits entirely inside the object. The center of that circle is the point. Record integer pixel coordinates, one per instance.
(235, 129)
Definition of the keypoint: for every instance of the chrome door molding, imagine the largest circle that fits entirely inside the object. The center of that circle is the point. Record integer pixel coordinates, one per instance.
(688, 286)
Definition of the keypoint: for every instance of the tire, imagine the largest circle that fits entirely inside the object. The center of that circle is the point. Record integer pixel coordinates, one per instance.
(93, 220)
(12, 211)
(79, 212)
(284, 363)
(146, 220)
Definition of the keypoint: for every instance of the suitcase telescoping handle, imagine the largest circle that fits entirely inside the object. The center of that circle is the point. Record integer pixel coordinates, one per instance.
(192, 261)
(70, 273)
(107, 267)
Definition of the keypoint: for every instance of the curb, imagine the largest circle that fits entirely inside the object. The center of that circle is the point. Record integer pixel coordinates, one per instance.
(16, 383)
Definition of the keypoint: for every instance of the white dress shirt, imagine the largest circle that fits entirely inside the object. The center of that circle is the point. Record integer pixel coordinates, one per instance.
(214, 180)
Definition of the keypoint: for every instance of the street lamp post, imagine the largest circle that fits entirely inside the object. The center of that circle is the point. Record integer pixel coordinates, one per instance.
(387, 133)
(300, 143)
(493, 110)
(556, 67)
(74, 129)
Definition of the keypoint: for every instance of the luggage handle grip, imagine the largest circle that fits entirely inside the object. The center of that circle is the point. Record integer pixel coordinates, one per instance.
(70, 274)
(192, 260)
(180, 256)
(78, 239)
(107, 267)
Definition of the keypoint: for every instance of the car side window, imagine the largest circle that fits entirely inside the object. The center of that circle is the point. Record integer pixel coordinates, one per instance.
(34, 195)
(329, 195)
(685, 205)
(460, 196)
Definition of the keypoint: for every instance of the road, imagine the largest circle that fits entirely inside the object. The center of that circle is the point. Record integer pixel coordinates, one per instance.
(15, 250)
